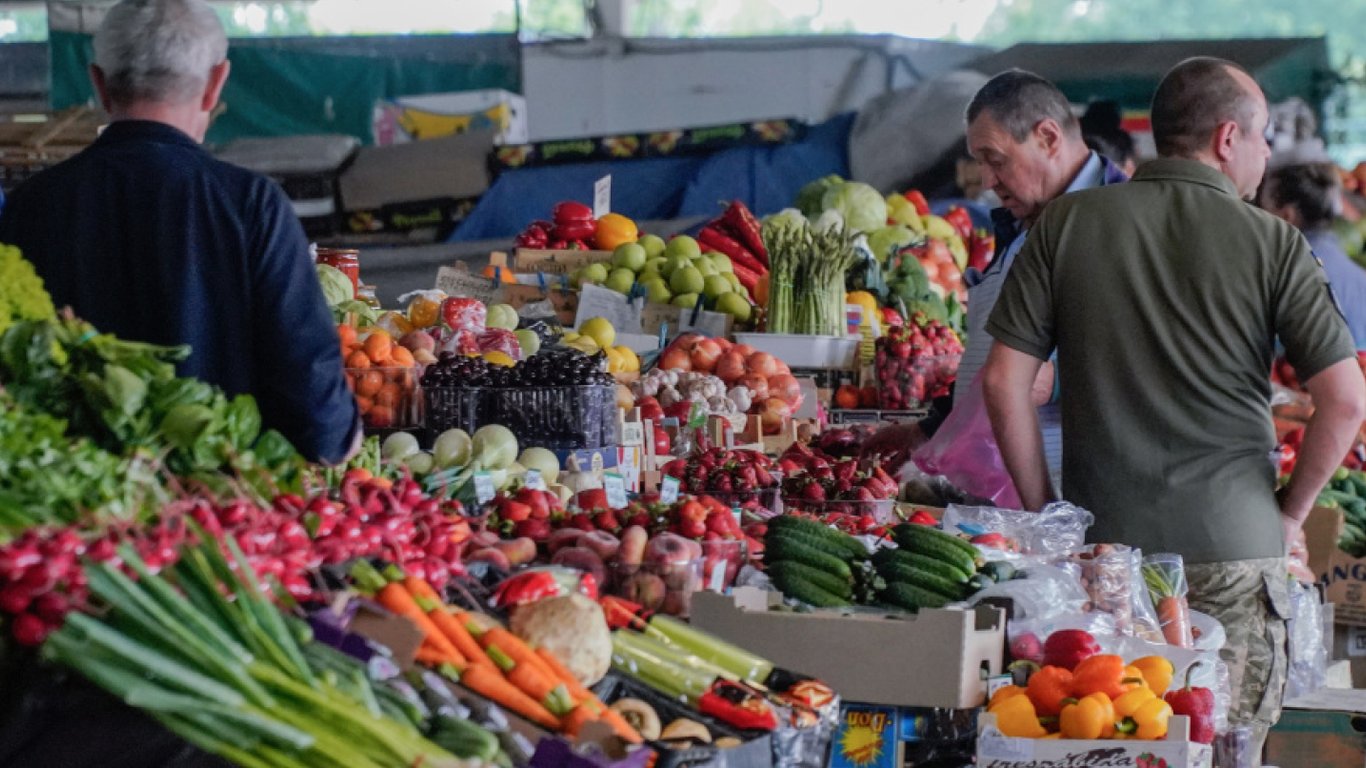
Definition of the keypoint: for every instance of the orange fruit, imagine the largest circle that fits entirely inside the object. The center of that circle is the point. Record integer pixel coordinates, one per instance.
(379, 346)
(358, 359)
(402, 357)
(389, 395)
(347, 334)
(364, 404)
(381, 417)
(368, 383)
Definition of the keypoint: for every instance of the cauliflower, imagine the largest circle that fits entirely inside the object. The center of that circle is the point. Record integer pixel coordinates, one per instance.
(22, 296)
(572, 627)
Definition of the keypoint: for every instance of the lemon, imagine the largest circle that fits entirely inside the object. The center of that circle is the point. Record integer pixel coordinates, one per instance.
(600, 330)
(499, 358)
(630, 362)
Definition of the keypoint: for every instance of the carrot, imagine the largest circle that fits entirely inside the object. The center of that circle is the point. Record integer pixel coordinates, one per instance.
(429, 656)
(459, 636)
(587, 698)
(490, 683)
(398, 600)
(515, 648)
(578, 718)
(1173, 615)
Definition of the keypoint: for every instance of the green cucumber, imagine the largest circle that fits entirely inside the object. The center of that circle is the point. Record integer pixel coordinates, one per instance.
(941, 546)
(998, 570)
(905, 574)
(837, 541)
(463, 738)
(809, 585)
(941, 568)
(792, 548)
(911, 597)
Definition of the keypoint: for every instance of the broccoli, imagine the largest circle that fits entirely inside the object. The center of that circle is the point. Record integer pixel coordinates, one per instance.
(22, 296)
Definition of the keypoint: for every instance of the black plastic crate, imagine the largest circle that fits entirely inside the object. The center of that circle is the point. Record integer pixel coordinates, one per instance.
(554, 417)
(452, 408)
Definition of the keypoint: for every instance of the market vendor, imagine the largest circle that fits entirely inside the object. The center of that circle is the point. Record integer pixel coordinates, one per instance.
(147, 236)
(1029, 145)
(1308, 196)
(1164, 299)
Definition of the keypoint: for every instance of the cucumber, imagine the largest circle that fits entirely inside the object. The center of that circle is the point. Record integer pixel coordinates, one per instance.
(806, 584)
(792, 548)
(836, 541)
(940, 546)
(999, 570)
(941, 568)
(463, 738)
(911, 597)
(905, 574)
(1358, 481)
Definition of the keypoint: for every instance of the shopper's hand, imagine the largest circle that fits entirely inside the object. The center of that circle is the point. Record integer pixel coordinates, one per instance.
(1042, 391)
(894, 439)
(1291, 529)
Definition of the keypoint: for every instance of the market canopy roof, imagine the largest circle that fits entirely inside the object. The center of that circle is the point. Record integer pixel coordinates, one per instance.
(1128, 72)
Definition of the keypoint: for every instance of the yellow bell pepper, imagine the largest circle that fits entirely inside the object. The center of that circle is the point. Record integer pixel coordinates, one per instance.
(1156, 671)
(1004, 693)
(1091, 717)
(1141, 715)
(1015, 717)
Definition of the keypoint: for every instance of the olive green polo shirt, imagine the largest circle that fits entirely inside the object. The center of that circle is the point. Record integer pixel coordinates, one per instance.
(1164, 298)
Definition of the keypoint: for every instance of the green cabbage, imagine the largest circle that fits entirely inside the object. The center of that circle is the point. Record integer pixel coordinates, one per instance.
(864, 209)
(810, 197)
(885, 241)
(337, 287)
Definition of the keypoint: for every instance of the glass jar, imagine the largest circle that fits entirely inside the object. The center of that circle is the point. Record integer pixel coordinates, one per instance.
(347, 261)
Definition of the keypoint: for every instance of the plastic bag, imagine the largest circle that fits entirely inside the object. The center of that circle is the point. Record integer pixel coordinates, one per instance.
(964, 451)
(1165, 576)
(500, 340)
(1057, 529)
(460, 314)
(1308, 657)
(1040, 594)
(1297, 562)
(1112, 577)
(424, 307)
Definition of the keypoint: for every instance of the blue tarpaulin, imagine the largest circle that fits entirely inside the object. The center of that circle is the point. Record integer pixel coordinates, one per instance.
(765, 177)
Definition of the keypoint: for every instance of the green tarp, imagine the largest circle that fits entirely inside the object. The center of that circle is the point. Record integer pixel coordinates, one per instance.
(278, 88)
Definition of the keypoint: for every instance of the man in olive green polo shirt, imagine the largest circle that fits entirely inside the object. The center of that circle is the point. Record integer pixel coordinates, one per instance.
(1164, 299)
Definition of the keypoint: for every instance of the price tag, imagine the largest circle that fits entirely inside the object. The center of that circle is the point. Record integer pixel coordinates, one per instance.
(615, 486)
(483, 487)
(668, 490)
(602, 196)
(739, 515)
(534, 480)
(632, 433)
(997, 682)
(716, 580)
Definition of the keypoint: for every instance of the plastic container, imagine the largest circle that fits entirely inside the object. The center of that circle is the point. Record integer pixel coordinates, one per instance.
(764, 498)
(721, 561)
(345, 261)
(911, 384)
(389, 398)
(882, 510)
(664, 587)
(805, 351)
(554, 417)
(452, 408)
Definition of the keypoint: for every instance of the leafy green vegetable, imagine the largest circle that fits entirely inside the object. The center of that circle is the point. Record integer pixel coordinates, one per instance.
(810, 197)
(22, 296)
(864, 209)
(337, 286)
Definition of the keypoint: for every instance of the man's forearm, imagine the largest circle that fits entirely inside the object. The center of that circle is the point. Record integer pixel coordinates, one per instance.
(1007, 382)
(1338, 413)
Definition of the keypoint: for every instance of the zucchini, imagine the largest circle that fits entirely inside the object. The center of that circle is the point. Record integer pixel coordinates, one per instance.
(836, 542)
(936, 544)
(905, 574)
(946, 570)
(911, 597)
(808, 585)
(792, 548)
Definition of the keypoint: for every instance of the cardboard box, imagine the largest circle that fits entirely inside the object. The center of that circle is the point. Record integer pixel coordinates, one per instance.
(937, 658)
(1343, 576)
(997, 751)
(424, 185)
(1326, 729)
(560, 262)
(1349, 645)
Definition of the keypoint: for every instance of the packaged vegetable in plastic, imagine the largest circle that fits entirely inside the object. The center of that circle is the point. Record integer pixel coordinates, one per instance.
(536, 584)
(500, 340)
(1308, 658)
(1165, 576)
(1111, 575)
(1055, 530)
(424, 307)
(461, 314)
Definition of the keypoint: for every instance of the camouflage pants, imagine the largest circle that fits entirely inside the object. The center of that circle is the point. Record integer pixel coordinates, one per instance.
(1251, 598)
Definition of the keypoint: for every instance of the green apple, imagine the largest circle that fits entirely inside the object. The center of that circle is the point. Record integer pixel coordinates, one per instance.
(686, 280)
(675, 264)
(735, 284)
(682, 245)
(704, 267)
(629, 256)
(722, 262)
(735, 305)
(593, 273)
(620, 280)
(501, 316)
(685, 300)
(530, 342)
(715, 285)
(652, 268)
(653, 245)
(657, 291)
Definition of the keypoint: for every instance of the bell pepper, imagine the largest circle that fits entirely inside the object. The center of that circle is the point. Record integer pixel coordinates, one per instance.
(613, 230)
(1067, 647)
(981, 249)
(1004, 693)
(1047, 688)
(1090, 717)
(738, 706)
(961, 221)
(1156, 672)
(922, 206)
(1197, 704)
(1140, 714)
(1103, 673)
(572, 231)
(1015, 716)
(567, 211)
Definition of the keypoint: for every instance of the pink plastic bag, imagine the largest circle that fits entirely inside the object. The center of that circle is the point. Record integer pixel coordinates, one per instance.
(964, 451)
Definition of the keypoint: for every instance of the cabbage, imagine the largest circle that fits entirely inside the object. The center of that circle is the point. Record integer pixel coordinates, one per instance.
(495, 447)
(810, 198)
(885, 241)
(828, 220)
(337, 287)
(863, 208)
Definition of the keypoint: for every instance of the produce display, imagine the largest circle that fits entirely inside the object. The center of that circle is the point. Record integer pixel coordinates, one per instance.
(753, 382)
(916, 363)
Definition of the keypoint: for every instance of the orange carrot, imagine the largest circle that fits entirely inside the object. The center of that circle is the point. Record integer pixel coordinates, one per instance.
(515, 648)
(459, 636)
(429, 656)
(587, 699)
(578, 718)
(398, 600)
(562, 673)
(490, 683)
(1173, 616)
(421, 589)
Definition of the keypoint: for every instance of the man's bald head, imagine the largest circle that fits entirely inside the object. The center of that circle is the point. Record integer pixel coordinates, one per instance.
(1194, 98)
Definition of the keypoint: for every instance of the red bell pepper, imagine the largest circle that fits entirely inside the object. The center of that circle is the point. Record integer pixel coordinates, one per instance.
(571, 211)
(922, 206)
(961, 221)
(738, 706)
(1197, 704)
(1067, 648)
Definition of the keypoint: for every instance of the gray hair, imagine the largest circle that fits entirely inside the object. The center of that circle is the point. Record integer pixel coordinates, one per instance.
(159, 50)
(1020, 100)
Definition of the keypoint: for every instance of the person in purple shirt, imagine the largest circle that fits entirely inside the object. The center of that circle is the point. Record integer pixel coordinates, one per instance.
(1308, 196)
(147, 236)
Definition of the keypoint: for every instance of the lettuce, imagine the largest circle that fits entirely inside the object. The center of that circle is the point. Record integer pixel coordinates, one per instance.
(864, 209)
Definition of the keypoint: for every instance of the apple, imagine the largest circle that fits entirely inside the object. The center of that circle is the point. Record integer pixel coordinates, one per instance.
(669, 549)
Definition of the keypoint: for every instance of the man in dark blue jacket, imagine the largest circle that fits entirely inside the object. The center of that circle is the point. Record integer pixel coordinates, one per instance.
(147, 236)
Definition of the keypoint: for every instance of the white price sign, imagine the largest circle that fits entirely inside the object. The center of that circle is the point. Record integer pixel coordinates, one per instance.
(534, 480)
(615, 486)
(602, 196)
(483, 487)
(668, 490)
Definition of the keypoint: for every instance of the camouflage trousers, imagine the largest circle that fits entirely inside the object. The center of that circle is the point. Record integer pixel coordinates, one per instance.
(1251, 598)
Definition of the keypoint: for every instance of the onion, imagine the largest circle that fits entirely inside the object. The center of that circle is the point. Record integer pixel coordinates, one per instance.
(495, 446)
(676, 359)
(398, 446)
(785, 386)
(452, 448)
(542, 460)
(772, 414)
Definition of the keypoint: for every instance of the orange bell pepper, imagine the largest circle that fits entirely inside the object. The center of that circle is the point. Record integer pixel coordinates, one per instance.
(1103, 673)
(613, 230)
(1047, 688)
(1091, 717)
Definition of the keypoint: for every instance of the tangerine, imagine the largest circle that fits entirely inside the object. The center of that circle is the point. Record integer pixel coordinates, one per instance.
(379, 346)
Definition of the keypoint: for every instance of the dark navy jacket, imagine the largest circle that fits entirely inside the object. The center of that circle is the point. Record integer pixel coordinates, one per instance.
(147, 236)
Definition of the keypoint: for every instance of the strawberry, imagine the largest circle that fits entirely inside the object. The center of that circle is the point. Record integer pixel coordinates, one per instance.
(536, 500)
(592, 499)
(581, 521)
(720, 522)
(642, 519)
(813, 492)
(724, 484)
(763, 478)
(692, 510)
(514, 511)
(691, 529)
(536, 530)
(607, 521)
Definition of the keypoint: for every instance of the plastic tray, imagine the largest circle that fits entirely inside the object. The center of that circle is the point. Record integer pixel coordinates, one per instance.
(554, 417)
(882, 510)
(755, 751)
(805, 351)
(389, 398)
(452, 408)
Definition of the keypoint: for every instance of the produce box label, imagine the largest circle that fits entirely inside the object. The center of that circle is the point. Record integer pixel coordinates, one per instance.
(867, 738)
(1343, 576)
(996, 750)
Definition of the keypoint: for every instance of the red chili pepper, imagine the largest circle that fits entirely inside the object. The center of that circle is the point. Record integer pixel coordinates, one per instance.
(740, 220)
(736, 705)
(922, 206)
(714, 238)
(747, 278)
(961, 221)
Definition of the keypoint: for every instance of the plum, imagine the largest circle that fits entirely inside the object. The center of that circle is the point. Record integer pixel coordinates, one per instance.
(645, 589)
(669, 548)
